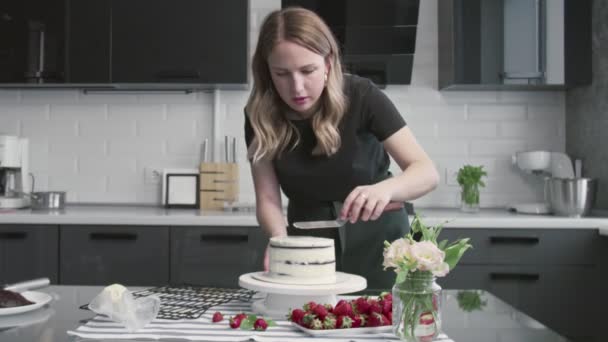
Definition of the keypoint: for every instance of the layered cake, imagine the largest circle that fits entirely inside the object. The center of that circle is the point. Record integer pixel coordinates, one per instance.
(302, 260)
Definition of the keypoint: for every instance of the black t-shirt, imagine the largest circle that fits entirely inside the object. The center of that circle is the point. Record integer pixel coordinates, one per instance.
(361, 160)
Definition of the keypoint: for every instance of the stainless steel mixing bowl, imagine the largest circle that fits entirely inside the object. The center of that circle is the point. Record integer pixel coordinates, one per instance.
(571, 197)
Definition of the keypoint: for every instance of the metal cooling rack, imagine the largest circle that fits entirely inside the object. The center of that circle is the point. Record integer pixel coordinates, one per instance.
(190, 302)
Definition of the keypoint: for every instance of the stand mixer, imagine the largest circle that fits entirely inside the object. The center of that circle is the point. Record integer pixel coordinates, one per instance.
(546, 165)
(14, 172)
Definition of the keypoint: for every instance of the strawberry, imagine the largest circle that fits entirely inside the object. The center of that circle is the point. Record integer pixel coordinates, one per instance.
(386, 305)
(344, 322)
(358, 321)
(308, 319)
(296, 316)
(260, 324)
(308, 307)
(316, 324)
(330, 322)
(217, 317)
(386, 296)
(435, 302)
(235, 321)
(374, 306)
(426, 318)
(343, 308)
(362, 305)
(320, 311)
(376, 320)
(329, 307)
(389, 316)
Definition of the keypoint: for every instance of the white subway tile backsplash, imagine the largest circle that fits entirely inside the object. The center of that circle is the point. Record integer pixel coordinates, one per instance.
(76, 145)
(166, 97)
(496, 113)
(109, 129)
(47, 96)
(136, 146)
(97, 145)
(9, 96)
(106, 98)
(444, 147)
(49, 128)
(545, 113)
(527, 129)
(132, 112)
(531, 97)
(174, 128)
(62, 166)
(25, 112)
(115, 166)
(466, 130)
(77, 112)
(9, 125)
(495, 147)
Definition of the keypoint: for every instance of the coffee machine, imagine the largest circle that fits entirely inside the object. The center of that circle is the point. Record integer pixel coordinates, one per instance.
(15, 184)
(545, 165)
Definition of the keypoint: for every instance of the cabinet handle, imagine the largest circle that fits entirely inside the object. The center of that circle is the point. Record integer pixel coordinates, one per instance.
(13, 235)
(515, 276)
(113, 236)
(223, 238)
(513, 240)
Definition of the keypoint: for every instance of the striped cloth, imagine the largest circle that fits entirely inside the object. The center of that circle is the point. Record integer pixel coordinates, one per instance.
(202, 329)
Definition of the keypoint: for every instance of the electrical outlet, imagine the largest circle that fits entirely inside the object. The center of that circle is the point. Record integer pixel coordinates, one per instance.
(152, 175)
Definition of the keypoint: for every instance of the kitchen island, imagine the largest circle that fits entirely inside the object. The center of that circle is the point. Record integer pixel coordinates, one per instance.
(489, 320)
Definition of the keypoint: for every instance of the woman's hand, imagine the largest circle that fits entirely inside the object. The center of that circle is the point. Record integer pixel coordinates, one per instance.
(365, 203)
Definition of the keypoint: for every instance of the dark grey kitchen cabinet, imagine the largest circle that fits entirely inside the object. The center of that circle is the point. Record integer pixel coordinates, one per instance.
(553, 275)
(215, 256)
(514, 45)
(102, 255)
(28, 252)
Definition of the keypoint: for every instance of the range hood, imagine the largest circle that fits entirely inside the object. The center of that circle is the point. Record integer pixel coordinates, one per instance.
(377, 38)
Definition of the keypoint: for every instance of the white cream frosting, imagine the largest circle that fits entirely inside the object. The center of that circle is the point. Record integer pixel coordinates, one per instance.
(301, 259)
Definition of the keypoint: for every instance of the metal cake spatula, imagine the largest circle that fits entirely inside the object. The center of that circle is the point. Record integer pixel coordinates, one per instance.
(392, 206)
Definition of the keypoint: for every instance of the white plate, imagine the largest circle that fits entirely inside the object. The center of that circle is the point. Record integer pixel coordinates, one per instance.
(344, 332)
(38, 298)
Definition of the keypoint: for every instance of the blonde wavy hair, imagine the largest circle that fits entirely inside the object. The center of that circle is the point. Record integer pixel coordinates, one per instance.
(267, 111)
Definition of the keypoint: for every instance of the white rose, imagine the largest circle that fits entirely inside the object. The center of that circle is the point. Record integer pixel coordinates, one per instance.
(441, 270)
(428, 256)
(396, 252)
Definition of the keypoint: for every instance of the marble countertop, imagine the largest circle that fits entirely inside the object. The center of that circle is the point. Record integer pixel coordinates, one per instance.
(157, 216)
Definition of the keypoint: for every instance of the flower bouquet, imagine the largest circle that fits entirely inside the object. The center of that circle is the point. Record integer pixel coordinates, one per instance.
(418, 258)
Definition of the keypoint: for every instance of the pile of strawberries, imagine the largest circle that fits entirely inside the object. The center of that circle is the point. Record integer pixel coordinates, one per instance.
(244, 321)
(357, 313)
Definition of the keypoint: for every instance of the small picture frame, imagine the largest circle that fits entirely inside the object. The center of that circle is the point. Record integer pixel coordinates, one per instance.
(182, 190)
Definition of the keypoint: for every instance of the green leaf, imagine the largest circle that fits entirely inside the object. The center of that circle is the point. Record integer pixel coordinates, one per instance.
(454, 252)
(247, 323)
(271, 323)
(400, 276)
(471, 175)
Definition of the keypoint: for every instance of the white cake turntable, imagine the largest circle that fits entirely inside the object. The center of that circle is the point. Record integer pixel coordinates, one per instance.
(280, 298)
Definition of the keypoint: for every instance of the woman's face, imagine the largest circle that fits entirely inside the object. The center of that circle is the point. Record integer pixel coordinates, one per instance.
(298, 75)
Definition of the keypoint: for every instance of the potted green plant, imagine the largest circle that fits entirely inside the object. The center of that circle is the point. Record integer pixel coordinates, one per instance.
(469, 178)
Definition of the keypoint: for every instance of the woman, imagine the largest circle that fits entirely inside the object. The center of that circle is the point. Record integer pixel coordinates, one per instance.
(323, 137)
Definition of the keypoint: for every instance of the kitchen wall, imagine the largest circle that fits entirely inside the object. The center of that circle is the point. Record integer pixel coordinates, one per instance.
(587, 110)
(101, 147)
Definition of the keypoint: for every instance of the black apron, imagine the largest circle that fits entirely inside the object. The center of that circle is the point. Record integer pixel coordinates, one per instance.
(359, 246)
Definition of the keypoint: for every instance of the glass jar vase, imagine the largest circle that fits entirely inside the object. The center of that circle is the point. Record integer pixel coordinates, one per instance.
(417, 307)
(469, 198)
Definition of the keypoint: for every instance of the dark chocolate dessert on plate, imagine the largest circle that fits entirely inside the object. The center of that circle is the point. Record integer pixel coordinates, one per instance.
(10, 299)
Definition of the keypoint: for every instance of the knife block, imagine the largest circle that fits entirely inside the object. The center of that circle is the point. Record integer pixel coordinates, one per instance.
(219, 183)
